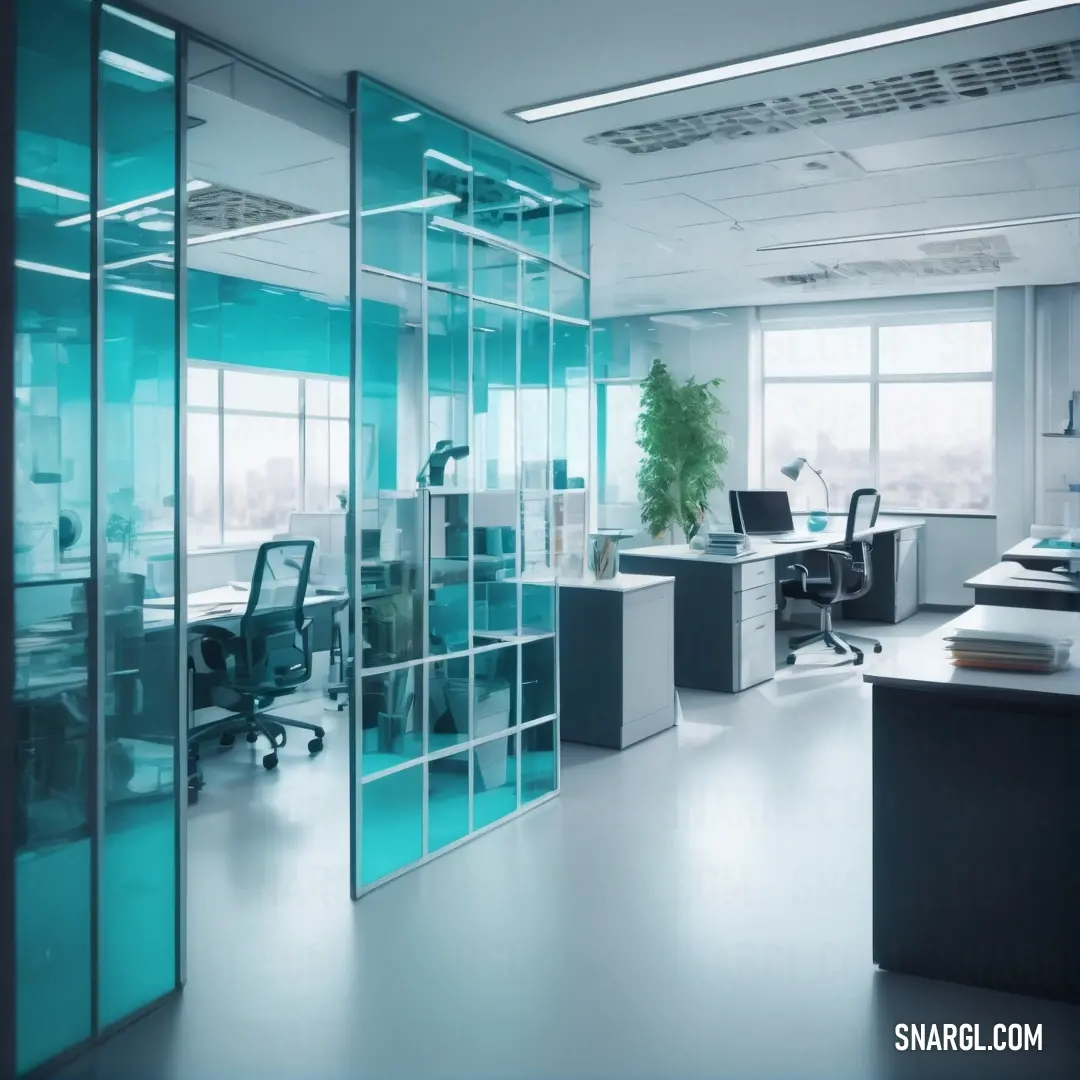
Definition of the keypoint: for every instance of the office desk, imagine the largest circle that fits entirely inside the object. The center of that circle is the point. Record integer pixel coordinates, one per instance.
(1029, 554)
(616, 664)
(976, 814)
(725, 606)
(1011, 584)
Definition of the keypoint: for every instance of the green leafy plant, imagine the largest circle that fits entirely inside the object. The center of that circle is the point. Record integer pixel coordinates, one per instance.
(683, 450)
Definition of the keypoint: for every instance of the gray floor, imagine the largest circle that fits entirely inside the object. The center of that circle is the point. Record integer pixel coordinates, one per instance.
(698, 906)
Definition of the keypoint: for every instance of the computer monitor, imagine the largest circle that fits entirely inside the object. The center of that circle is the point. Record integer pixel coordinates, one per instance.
(761, 513)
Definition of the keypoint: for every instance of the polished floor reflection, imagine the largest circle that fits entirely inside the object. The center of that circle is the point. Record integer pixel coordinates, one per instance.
(697, 906)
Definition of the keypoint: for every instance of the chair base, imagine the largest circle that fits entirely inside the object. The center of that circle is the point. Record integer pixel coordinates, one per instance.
(852, 645)
(272, 728)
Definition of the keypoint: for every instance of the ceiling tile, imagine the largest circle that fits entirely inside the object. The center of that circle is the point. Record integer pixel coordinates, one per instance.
(1052, 170)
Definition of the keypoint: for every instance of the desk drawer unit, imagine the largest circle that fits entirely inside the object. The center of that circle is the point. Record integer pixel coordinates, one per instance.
(751, 575)
(755, 651)
(754, 602)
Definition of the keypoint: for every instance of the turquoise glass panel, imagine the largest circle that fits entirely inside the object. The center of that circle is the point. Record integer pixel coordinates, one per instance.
(392, 823)
(392, 449)
(495, 684)
(448, 800)
(448, 182)
(538, 679)
(539, 762)
(449, 701)
(448, 378)
(140, 412)
(495, 787)
(570, 224)
(392, 718)
(538, 609)
(449, 544)
(51, 428)
(569, 294)
(512, 196)
(52, 862)
(535, 386)
(536, 284)
(496, 273)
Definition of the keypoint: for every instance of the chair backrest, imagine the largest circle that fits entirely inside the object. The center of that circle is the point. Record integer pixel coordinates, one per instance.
(316, 554)
(862, 514)
(277, 641)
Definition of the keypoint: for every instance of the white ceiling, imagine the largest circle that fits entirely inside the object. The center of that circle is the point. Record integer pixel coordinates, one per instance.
(682, 228)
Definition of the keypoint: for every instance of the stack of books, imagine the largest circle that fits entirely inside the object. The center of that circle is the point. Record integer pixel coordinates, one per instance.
(998, 650)
(726, 543)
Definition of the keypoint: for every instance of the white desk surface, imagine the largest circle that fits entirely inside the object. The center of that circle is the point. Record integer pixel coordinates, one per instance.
(1026, 549)
(923, 663)
(620, 583)
(1011, 575)
(760, 548)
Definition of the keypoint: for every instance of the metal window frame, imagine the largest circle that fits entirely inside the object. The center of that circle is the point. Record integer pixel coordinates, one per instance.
(874, 379)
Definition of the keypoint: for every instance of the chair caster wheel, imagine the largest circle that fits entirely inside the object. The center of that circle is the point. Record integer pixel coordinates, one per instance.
(319, 733)
(315, 746)
(877, 648)
(227, 739)
(858, 659)
(252, 736)
(839, 650)
(192, 794)
(791, 658)
(270, 761)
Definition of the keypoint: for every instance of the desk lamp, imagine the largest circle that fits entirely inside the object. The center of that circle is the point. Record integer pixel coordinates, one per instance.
(817, 520)
(434, 470)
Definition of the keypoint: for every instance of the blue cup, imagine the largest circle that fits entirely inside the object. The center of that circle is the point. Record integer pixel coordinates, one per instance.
(817, 521)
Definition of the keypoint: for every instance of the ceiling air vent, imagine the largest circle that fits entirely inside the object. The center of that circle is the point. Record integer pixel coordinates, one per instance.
(216, 209)
(812, 279)
(895, 94)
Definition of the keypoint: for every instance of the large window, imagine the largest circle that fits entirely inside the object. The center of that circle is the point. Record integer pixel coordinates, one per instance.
(619, 456)
(905, 407)
(260, 446)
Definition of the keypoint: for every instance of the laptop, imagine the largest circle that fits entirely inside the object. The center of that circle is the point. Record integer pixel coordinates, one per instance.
(766, 514)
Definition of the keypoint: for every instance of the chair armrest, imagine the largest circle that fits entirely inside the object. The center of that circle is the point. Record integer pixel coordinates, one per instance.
(803, 573)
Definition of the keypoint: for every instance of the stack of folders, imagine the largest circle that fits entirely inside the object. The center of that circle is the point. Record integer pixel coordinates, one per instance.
(727, 543)
(1006, 651)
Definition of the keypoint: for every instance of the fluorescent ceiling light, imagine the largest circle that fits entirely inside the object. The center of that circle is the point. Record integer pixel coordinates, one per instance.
(446, 159)
(529, 191)
(51, 189)
(157, 225)
(791, 58)
(138, 291)
(59, 271)
(939, 230)
(134, 67)
(404, 118)
(416, 204)
(267, 226)
(165, 260)
(144, 24)
(109, 211)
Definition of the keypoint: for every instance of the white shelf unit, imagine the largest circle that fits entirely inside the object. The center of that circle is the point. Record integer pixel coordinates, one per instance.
(1059, 497)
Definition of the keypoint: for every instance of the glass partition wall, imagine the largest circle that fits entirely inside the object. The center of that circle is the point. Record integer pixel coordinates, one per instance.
(472, 401)
(223, 316)
(97, 702)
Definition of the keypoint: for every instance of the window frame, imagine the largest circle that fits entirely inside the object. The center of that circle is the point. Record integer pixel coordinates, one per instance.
(875, 379)
(300, 415)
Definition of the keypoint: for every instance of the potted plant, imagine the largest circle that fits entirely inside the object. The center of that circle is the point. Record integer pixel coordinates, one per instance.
(683, 451)
(343, 500)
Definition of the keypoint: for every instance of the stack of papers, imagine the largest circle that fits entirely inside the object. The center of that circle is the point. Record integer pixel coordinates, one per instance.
(727, 543)
(1001, 650)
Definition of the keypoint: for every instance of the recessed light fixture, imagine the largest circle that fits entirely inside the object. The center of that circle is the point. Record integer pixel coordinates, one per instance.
(109, 211)
(143, 24)
(529, 191)
(791, 58)
(137, 290)
(134, 67)
(404, 118)
(159, 257)
(51, 189)
(446, 159)
(417, 204)
(157, 225)
(58, 271)
(939, 230)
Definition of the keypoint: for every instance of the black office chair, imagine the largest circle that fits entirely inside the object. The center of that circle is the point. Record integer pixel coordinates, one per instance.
(850, 575)
(268, 659)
